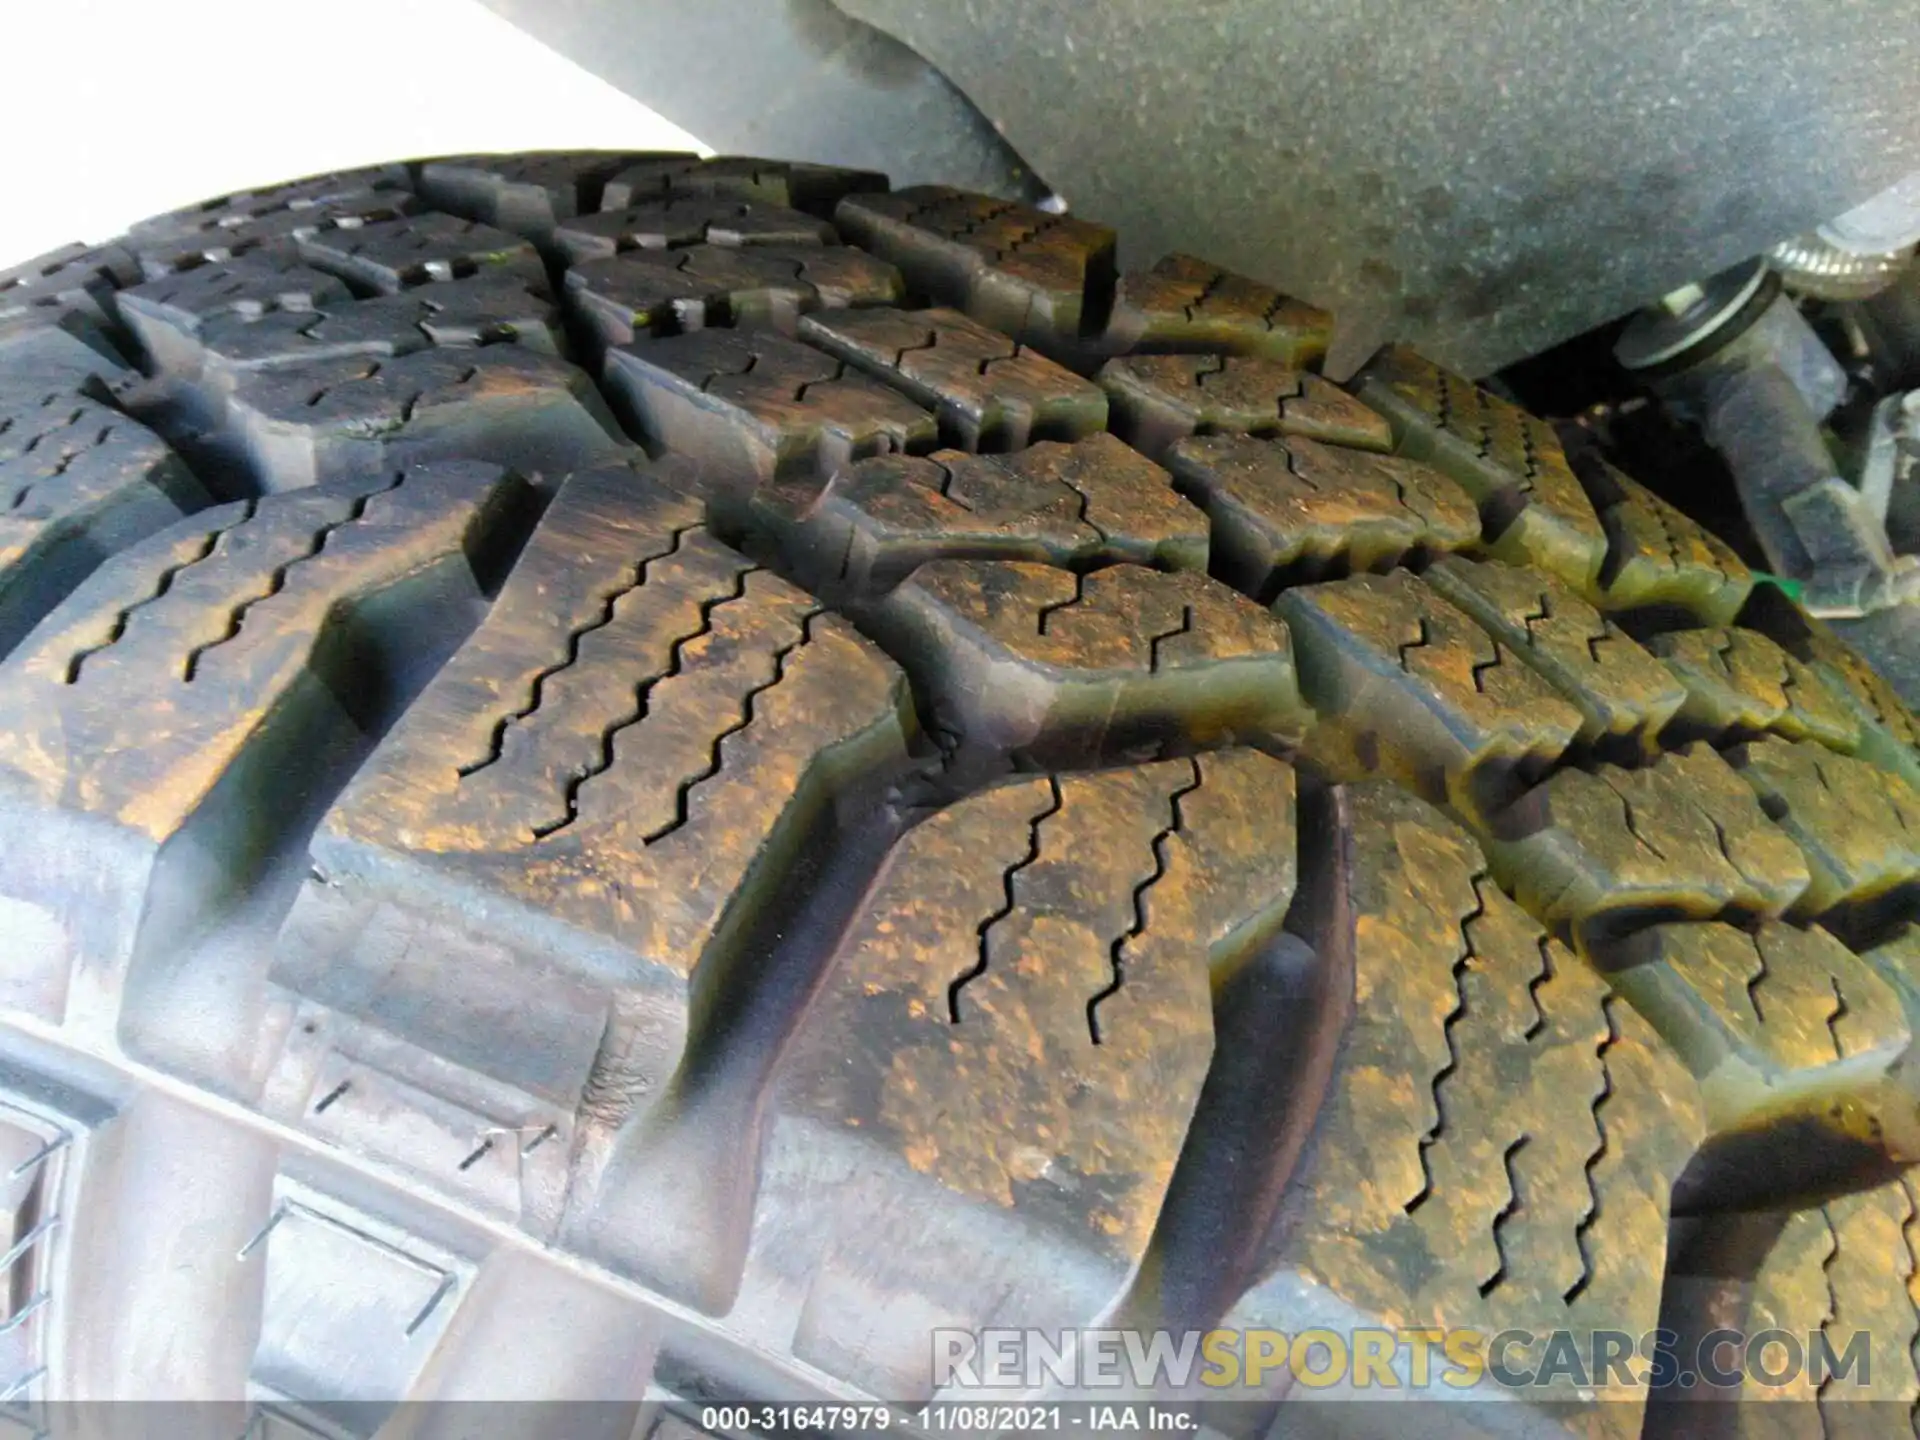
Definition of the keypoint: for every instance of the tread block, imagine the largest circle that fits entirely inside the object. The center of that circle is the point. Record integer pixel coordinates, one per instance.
(586, 808)
(1158, 399)
(1889, 731)
(420, 250)
(1288, 511)
(166, 315)
(1408, 686)
(1038, 277)
(641, 293)
(723, 220)
(1857, 825)
(1621, 691)
(314, 193)
(39, 356)
(1059, 667)
(460, 314)
(1781, 998)
(307, 423)
(1846, 1269)
(1657, 554)
(1076, 506)
(1531, 504)
(529, 193)
(136, 714)
(1603, 851)
(1740, 681)
(1500, 1136)
(78, 482)
(815, 189)
(74, 277)
(1184, 303)
(1896, 960)
(989, 392)
(753, 405)
(1009, 1048)
(266, 227)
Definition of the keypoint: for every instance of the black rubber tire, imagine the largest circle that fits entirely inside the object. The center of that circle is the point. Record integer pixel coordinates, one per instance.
(613, 781)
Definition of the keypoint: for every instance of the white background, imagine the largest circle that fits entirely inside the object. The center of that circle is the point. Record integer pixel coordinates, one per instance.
(113, 110)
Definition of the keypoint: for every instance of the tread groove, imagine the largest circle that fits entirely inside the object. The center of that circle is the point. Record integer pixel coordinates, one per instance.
(161, 586)
(635, 579)
(1602, 1098)
(1462, 964)
(602, 763)
(985, 928)
(1116, 952)
(277, 581)
(683, 799)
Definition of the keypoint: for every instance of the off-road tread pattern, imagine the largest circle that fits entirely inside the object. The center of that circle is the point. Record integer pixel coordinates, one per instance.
(1023, 271)
(989, 392)
(1024, 658)
(1784, 997)
(78, 480)
(1046, 940)
(1844, 1268)
(421, 250)
(73, 277)
(248, 287)
(356, 415)
(266, 228)
(1656, 555)
(1896, 960)
(1857, 825)
(1183, 303)
(1094, 502)
(1621, 691)
(1680, 837)
(1288, 512)
(529, 193)
(70, 352)
(139, 692)
(643, 716)
(724, 220)
(1412, 689)
(1892, 736)
(1158, 399)
(1501, 1136)
(1531, 503)
(753, 405)
(1018, 1022)
(642, 293)
(591, 851)
(816, 189)
(318, 195)
(459, 313)
(1740, 682)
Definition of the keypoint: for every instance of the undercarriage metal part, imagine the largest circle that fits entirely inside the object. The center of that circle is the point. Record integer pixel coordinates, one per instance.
(1737, 357)
(1856, 255)
(1813, 266)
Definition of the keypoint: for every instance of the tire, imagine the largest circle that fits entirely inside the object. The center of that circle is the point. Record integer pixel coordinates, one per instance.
(647, 779)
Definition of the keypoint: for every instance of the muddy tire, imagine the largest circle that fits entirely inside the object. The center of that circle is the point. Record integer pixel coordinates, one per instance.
(642, 779)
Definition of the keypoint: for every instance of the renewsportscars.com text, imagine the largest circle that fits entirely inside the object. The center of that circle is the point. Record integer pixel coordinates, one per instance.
(1392, 1359)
